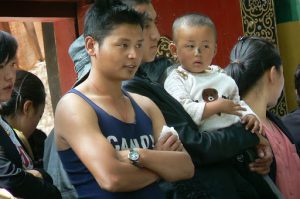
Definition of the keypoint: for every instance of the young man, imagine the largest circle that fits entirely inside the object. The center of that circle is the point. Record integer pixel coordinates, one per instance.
(112, 149)
(151, 36)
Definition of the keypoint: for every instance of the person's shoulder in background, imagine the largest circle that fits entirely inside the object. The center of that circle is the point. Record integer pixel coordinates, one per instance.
(158, 70)
(36, 141)
(292, 122)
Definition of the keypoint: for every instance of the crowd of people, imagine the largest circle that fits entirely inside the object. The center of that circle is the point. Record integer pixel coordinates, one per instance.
(137, 127)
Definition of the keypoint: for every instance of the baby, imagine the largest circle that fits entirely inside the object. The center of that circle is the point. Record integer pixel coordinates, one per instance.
(206, 93)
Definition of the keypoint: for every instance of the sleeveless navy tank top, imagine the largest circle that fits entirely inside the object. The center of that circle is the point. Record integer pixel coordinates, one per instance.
(122, 136)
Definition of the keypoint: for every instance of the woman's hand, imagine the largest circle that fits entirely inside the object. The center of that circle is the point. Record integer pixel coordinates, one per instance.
(4, 194)
(35, 173)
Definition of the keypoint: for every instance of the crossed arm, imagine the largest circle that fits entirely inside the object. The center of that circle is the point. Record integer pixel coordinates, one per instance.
(76, 126)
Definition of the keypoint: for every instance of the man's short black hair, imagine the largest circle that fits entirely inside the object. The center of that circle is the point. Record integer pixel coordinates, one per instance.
(105, 15)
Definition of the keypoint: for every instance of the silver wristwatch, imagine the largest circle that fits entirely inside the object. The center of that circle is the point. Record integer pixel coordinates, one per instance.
(134, 156)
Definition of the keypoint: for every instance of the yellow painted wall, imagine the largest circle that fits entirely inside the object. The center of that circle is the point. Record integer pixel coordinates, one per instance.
(289, 45)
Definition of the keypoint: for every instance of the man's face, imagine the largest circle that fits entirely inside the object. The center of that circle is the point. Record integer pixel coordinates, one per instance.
(150, 32)
(119, 54)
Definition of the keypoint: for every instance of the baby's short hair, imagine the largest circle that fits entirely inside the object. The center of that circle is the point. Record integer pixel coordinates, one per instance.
(193, 19)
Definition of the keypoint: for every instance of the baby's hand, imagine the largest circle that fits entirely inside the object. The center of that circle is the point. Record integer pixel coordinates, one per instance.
(229, 107)
(252, 123)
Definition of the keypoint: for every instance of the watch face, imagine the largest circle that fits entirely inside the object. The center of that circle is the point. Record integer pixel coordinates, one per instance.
(134, 155)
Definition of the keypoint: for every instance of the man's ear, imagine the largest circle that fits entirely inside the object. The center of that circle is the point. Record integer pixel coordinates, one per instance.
(90, 45)
(27, 106)
(173, 49)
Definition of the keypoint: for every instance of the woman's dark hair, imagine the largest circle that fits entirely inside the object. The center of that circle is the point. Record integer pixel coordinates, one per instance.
(27, 87)
(297, 83)
(249, 59)
(8, 47)
(105, 15)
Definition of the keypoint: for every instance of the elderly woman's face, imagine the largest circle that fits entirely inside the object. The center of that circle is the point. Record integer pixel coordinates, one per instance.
(7, 79)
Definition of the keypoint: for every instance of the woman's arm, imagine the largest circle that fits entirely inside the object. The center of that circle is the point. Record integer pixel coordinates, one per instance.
(23, 184)
(76, 126)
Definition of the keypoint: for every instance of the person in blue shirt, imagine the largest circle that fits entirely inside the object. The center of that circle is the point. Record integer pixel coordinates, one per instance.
(108, 139)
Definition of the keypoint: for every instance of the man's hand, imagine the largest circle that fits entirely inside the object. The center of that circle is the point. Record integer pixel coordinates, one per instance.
(169, 142)
(262, 164)
(252, 123)
(123, 155)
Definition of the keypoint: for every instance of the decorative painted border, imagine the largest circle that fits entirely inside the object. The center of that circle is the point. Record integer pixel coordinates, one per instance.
(258, 18)
(163, 49)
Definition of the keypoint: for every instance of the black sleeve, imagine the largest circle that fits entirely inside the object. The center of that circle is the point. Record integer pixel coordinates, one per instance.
(23, 184)
(204, 148)
(215, 146)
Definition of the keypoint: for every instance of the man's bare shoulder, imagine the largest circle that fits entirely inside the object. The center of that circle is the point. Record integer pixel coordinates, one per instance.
(71, 101)
(73, 115)
(73, 108)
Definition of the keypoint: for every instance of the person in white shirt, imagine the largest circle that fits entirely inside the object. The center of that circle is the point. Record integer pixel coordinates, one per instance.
(206, 93)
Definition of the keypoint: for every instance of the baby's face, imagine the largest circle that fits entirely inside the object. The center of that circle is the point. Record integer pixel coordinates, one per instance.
(196, 47)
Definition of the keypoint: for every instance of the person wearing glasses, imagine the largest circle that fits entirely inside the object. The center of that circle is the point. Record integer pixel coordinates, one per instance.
(17, 172)
(257, 69)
